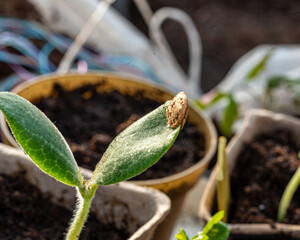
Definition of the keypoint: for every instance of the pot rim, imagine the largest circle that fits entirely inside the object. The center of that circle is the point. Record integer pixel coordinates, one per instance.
(128, 77)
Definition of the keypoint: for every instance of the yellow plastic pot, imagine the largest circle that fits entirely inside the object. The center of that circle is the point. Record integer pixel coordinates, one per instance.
(175, 186)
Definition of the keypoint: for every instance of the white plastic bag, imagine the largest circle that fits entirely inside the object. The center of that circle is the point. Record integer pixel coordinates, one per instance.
(115, 35)
(281, 69)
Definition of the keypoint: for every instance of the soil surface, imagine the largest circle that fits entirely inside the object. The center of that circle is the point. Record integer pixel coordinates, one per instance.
(228, 29)
(25, 213)
(264, 168)
(90, 120)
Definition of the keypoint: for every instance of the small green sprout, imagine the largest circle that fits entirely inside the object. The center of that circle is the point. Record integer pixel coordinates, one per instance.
(231, 105)
(214, 230)
(288, 194)
(133, 151)
(230, 111)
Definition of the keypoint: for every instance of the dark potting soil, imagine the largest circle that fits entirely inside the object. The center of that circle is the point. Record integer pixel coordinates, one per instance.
(25, 213)
(228, 29)
(90, 120)
(263, 170)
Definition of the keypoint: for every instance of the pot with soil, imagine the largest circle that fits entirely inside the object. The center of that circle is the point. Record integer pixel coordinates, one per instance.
(103, 99)
(262, 158)
(29, 195)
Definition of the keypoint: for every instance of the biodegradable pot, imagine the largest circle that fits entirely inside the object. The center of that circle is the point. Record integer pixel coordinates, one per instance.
(175, 186)
(146, 206)
(256, 122)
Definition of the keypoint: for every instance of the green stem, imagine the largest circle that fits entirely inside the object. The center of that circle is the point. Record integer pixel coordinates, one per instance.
(84, 197)
(223, 179)
(288, 195)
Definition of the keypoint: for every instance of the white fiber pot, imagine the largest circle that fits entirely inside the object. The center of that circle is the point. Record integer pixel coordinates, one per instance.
(146, 207)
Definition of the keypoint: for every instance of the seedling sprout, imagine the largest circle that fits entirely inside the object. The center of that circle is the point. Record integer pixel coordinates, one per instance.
(213, 230)
(228, 99)
(133, 151)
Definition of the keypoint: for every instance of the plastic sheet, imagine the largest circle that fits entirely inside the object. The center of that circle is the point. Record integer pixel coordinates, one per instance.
(266, 77)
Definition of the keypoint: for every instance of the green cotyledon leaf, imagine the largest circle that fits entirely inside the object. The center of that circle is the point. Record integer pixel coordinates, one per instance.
(136, 148)
(40, 139)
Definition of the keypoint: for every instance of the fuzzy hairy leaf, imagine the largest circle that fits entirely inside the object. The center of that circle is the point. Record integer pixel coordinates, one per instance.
(40, 139)
(136, 148)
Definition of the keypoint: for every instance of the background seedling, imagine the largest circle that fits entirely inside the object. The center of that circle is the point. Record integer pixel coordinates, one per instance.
(230, 111)
(228, 100)
(214, 230)
(134, 150)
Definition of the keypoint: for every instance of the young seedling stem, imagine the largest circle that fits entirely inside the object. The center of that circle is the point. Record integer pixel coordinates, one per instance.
(84, 199)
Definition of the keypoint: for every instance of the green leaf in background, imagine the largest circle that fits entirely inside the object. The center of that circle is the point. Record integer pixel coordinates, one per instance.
(214, 229)
(215, 219)
(136, 148)
(218, 96)
(200, 104)
(277, 81)
(40, 139)
(229, 116)
(219, 231)
(260, 66)
(181, 235)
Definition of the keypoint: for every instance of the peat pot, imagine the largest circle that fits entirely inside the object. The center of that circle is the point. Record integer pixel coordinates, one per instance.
(257, 122)
(175, 186)
(143, 207)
